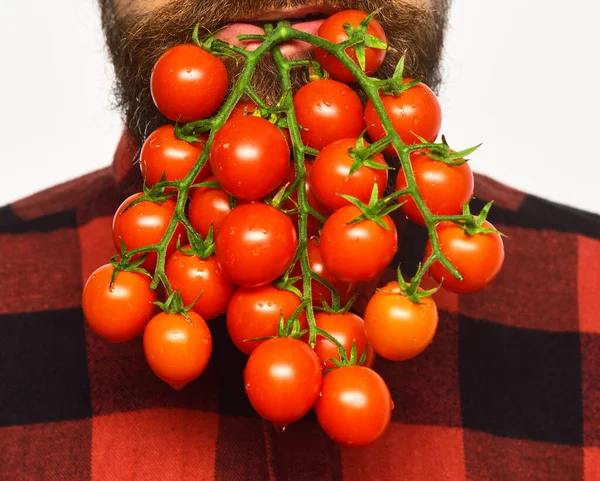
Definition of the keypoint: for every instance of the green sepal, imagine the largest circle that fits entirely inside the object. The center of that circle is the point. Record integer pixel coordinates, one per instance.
(232, 201)
(373, 211)
(373, 42)
(199, 247)
(340, 310)
(473, 224)
(123, 263)
(412, 290)
(360, 158)
(359, 51)
(363, 357)
(174, 305)
(353, 355)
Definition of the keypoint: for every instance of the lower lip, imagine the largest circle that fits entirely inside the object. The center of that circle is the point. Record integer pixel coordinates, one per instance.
(292, 49)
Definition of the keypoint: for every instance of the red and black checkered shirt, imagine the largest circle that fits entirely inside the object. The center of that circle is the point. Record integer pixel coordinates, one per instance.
(509, 390)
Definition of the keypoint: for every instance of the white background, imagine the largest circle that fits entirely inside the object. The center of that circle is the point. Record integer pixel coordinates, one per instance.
(521, 76)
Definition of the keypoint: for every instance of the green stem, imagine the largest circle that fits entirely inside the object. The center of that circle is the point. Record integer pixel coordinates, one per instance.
(375, 148)
(326, 335)
(303, 209)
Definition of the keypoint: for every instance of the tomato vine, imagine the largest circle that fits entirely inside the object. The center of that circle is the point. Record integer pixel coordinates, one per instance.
(275, 35)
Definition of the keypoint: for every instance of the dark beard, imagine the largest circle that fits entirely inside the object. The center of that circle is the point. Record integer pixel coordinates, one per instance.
(136, 41)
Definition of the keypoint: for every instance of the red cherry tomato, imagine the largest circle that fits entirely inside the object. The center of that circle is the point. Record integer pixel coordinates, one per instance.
(478, 258)
(176, 349)
(118, 313)
(444, 188)
(397, 328)
(208, 206)
(347, 328)
(200, 280)
(331, 177)
(283, 378)
(145, 224)
(188, 83)
(255, 312)
(249, 157)
(357, 252)
(415, 111)
(318, 290)
(255, 244)
(355, 406)
(164, 154)
(328, 111)
(332, 29)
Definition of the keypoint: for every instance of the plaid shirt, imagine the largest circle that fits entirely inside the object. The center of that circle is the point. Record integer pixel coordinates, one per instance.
(509, 390)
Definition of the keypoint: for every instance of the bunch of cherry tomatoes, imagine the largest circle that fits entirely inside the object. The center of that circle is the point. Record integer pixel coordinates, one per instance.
(241, 238)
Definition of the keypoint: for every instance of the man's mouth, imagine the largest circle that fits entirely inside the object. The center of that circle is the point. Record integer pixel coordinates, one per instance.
(307, 19)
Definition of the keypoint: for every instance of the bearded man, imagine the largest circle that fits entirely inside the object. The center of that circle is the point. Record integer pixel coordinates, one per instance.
(508, 390)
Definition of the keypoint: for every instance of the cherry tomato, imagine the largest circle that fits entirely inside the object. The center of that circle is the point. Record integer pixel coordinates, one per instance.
(444, 188)
(208, 206)
(176, 349)
(397, 328)
(357, 252)
(415, 111)
(200, 280)
(313, 224)
(318, 290)
(332, 29)
(355, 406)
(331, 177)
(188, 83)
(249, 157)
(478, 258)
(255, 312)
(282, 378)
(255, 244)
(328, 111)
(164, 154)
(120, 313)
(347, 328)
(145, 224)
